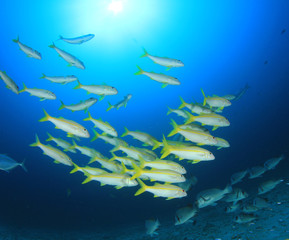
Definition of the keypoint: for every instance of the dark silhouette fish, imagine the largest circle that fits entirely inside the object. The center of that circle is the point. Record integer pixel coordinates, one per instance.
(7, 163)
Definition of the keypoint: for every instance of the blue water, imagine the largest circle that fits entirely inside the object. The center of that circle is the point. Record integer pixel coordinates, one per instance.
(224, 45)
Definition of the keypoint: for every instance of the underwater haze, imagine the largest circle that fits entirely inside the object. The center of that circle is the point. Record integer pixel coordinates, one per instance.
(238, 48)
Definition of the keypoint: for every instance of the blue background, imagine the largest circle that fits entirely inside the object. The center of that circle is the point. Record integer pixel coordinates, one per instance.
(224, 45)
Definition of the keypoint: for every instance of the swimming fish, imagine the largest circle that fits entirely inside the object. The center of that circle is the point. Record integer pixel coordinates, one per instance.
(77, 40)
(249, 209)
(244, 218)
(256, 172)
(54, 153)
(221, 143)
(188, 184)
(108, 139)
(105, 163)
(102, 90)
(125, 160)
(195, 108)
(179, 112)
(268, 186)
(87, 170)
(261, 202)
(238, 177)
(211, 196)
(146, 138)
(7, 163)
(211, 119)
(162, 190)
(104, 126)
(61, 143)
(72, 60)
(72, 128)
(236, 195)
(232, 208)
(201, 138)
(10, 84)
(28, 50)
(184, 214)
(194, 127)
(61, 80)
(164, 61)
(163, 175)
(83, 105)
(114, 179)
(273, 162)
(151, 226)
(43, 94)
(159, 77)
(242, 92)
(216, 101)
(89, 152)
(122, 103)
(186, 152)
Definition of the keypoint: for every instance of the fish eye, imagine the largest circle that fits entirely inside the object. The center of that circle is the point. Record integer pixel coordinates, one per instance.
(85, 129)
(183, 190)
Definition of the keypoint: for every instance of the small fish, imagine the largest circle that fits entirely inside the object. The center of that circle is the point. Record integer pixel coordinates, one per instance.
(162, 175)
(164, 61)
(61, 80)
(216, 101)
(238, 177)
(77, 40)
(188, 184)
(180, 112)
(89, 152)
(212, 119)
(236, 195)
(186, 152)
(184, 214)
(211, 196)
(147, 154)
(108, 139)
(159, 77)
(28, 50)
(125, 160)
(232, 208)
(249, 209)
(72, 128)
(87, 170)
(10, 84)
(242, 92)
(195, 108)
(104, 126)
(162, 190)
(122, 103)
(72, 61)
(61, 143)
(102, 90)
(256, 172)
(151, 226)
(54, 153)
(194, 127)
(244, 218)
(7, 163)
(43, 94)
(114, 179)
(83, 105)
(146, 138)
(221, 143)
(261, 202)
(200, 138)
(268, 186)
(273, 162)
(105, 163)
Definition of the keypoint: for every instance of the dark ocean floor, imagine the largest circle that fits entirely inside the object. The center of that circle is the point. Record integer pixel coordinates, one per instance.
(211, 223)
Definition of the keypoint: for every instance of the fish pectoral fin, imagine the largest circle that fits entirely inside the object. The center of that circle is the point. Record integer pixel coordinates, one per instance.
(56, 162)
(118, 187)
(168, 68)
(70, 135)
(215, 128)
(169, 198)
(102, 184)
(42, 99)
(156, 196)
(152, 180)
(219, 148)
(101, 97)
(8, 87)
(201, 144)
(69, 65)
(203, 124)
(164, 85)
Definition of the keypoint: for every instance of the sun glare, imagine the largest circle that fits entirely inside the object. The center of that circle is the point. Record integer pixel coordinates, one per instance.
(115, 6)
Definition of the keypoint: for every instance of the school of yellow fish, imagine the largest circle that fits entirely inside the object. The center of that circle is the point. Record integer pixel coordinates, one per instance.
(135, 165)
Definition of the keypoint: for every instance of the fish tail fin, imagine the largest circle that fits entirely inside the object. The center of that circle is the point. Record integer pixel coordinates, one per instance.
(43, 76)
(37, 142)
(75, 169)
(89, 117)
(166, 148)
(74, 145)
(124, 169)
(142, 189)
(45, 118)
(205, 98)
(139, 72)
(50, 138)
(52, 45)
(191, 118)
(61, 106)
(175, 130)
(142, 162)
(126, 131)
(113, 157)
(157, 144)
(138, 171)
(183, 104)
(116, 148)
(170, 111)
(145, 53)
(228, 188)
(23, 166)
(88, 179)
(16, 40)
(96, 135)
(110, 106)
(24, 88)
(78, 86)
